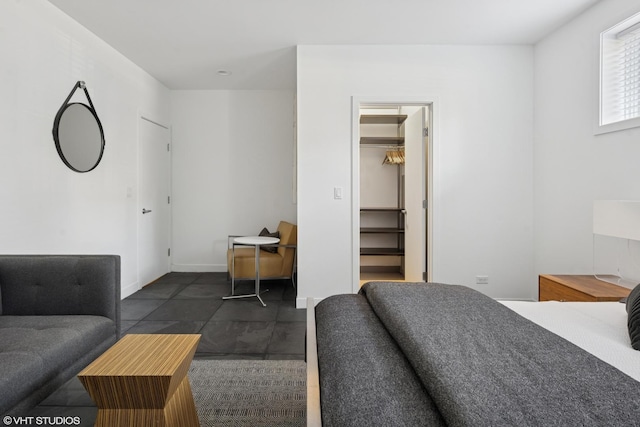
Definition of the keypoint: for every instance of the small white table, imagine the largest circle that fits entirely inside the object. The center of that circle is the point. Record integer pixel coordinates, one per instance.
(256, 241)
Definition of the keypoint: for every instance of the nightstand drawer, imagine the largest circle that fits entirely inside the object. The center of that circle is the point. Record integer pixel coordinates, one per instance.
(554, 291)
(578, 288)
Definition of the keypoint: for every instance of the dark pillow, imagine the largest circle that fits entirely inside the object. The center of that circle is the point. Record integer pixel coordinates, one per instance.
(265, 232)
(633, 317)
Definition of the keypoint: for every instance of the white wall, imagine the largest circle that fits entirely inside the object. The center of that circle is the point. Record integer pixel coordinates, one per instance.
(484, 174)
(46, 207)
(573, 167)
(483, 194)
(233, 173)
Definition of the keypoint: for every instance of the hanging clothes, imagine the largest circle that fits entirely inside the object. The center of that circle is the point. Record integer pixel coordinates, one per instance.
(394, 157)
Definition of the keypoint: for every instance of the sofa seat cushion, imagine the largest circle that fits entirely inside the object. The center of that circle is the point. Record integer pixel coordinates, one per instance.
(245, 263)
(34, 349)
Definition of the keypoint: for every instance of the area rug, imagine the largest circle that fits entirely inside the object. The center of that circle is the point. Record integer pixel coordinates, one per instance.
(251, 393)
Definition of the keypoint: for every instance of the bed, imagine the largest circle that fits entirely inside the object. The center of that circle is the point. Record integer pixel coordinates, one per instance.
(425, 354)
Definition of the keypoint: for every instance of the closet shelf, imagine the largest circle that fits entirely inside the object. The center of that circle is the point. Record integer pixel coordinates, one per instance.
(381, 209)
(388, 140)
(382, 119)
(381, 230)
(382, 251)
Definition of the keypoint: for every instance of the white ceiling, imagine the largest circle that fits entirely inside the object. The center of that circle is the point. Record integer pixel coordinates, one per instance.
(183, 43)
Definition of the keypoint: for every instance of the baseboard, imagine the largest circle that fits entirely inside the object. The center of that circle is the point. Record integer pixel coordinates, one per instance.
(199, 268)
(301, 302)
(129, 290)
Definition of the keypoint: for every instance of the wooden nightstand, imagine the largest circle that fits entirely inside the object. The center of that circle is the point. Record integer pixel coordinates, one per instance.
(578, 288)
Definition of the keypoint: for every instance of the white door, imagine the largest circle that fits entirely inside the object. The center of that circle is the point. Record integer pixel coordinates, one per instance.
(415, 195)
(154, 211)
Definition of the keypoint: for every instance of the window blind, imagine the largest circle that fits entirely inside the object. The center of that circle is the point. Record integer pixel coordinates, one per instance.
(620, 73)
(630, 74)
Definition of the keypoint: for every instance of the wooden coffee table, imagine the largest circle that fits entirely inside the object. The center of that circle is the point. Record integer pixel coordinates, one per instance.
(142, 381)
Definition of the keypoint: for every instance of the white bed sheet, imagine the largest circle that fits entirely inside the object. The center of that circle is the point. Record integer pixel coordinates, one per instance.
(598, 327)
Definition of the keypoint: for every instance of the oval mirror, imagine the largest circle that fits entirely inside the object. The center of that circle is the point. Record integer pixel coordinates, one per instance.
(78, 134)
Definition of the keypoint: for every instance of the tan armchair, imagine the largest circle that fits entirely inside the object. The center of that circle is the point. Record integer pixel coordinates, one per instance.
(241, 261)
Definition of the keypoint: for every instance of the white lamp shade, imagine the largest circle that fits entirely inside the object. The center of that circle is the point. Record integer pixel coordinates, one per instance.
(617, 218)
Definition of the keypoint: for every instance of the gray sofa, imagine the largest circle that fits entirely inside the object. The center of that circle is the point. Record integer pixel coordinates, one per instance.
(57, 314)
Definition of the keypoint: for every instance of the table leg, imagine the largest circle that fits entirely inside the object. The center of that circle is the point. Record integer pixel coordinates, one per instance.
(257, 279)
(258, 275)
(180, 409)
(233, 269)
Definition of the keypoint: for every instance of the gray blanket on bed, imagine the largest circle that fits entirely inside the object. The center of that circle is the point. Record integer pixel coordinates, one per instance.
(484, 365)
(365, 378)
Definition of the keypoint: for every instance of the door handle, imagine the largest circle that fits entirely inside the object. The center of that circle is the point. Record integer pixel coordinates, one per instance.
(145, 211)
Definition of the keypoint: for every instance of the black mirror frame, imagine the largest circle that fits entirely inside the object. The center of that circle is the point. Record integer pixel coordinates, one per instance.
(56, 124)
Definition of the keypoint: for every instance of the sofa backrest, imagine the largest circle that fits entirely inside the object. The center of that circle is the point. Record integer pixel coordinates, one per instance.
(60, 284)
(288, 236)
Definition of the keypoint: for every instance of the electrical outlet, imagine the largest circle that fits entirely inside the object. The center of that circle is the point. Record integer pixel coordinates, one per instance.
(482, 280)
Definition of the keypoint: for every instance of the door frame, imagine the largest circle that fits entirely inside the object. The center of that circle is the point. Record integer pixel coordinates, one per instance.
(146, 118)
(432, 103)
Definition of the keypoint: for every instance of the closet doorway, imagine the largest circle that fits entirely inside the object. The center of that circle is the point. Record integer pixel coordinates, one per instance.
(392, 175)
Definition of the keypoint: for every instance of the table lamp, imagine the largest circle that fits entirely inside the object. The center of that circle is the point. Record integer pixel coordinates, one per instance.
(616, 241)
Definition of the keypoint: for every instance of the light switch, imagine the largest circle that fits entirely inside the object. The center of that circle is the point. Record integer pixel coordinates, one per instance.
(337, 193)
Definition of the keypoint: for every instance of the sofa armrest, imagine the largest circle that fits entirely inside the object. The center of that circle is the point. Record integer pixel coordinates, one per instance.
(61, 285)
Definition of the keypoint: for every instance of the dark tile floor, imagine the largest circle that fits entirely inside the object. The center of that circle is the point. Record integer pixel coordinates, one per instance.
(191, 303)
